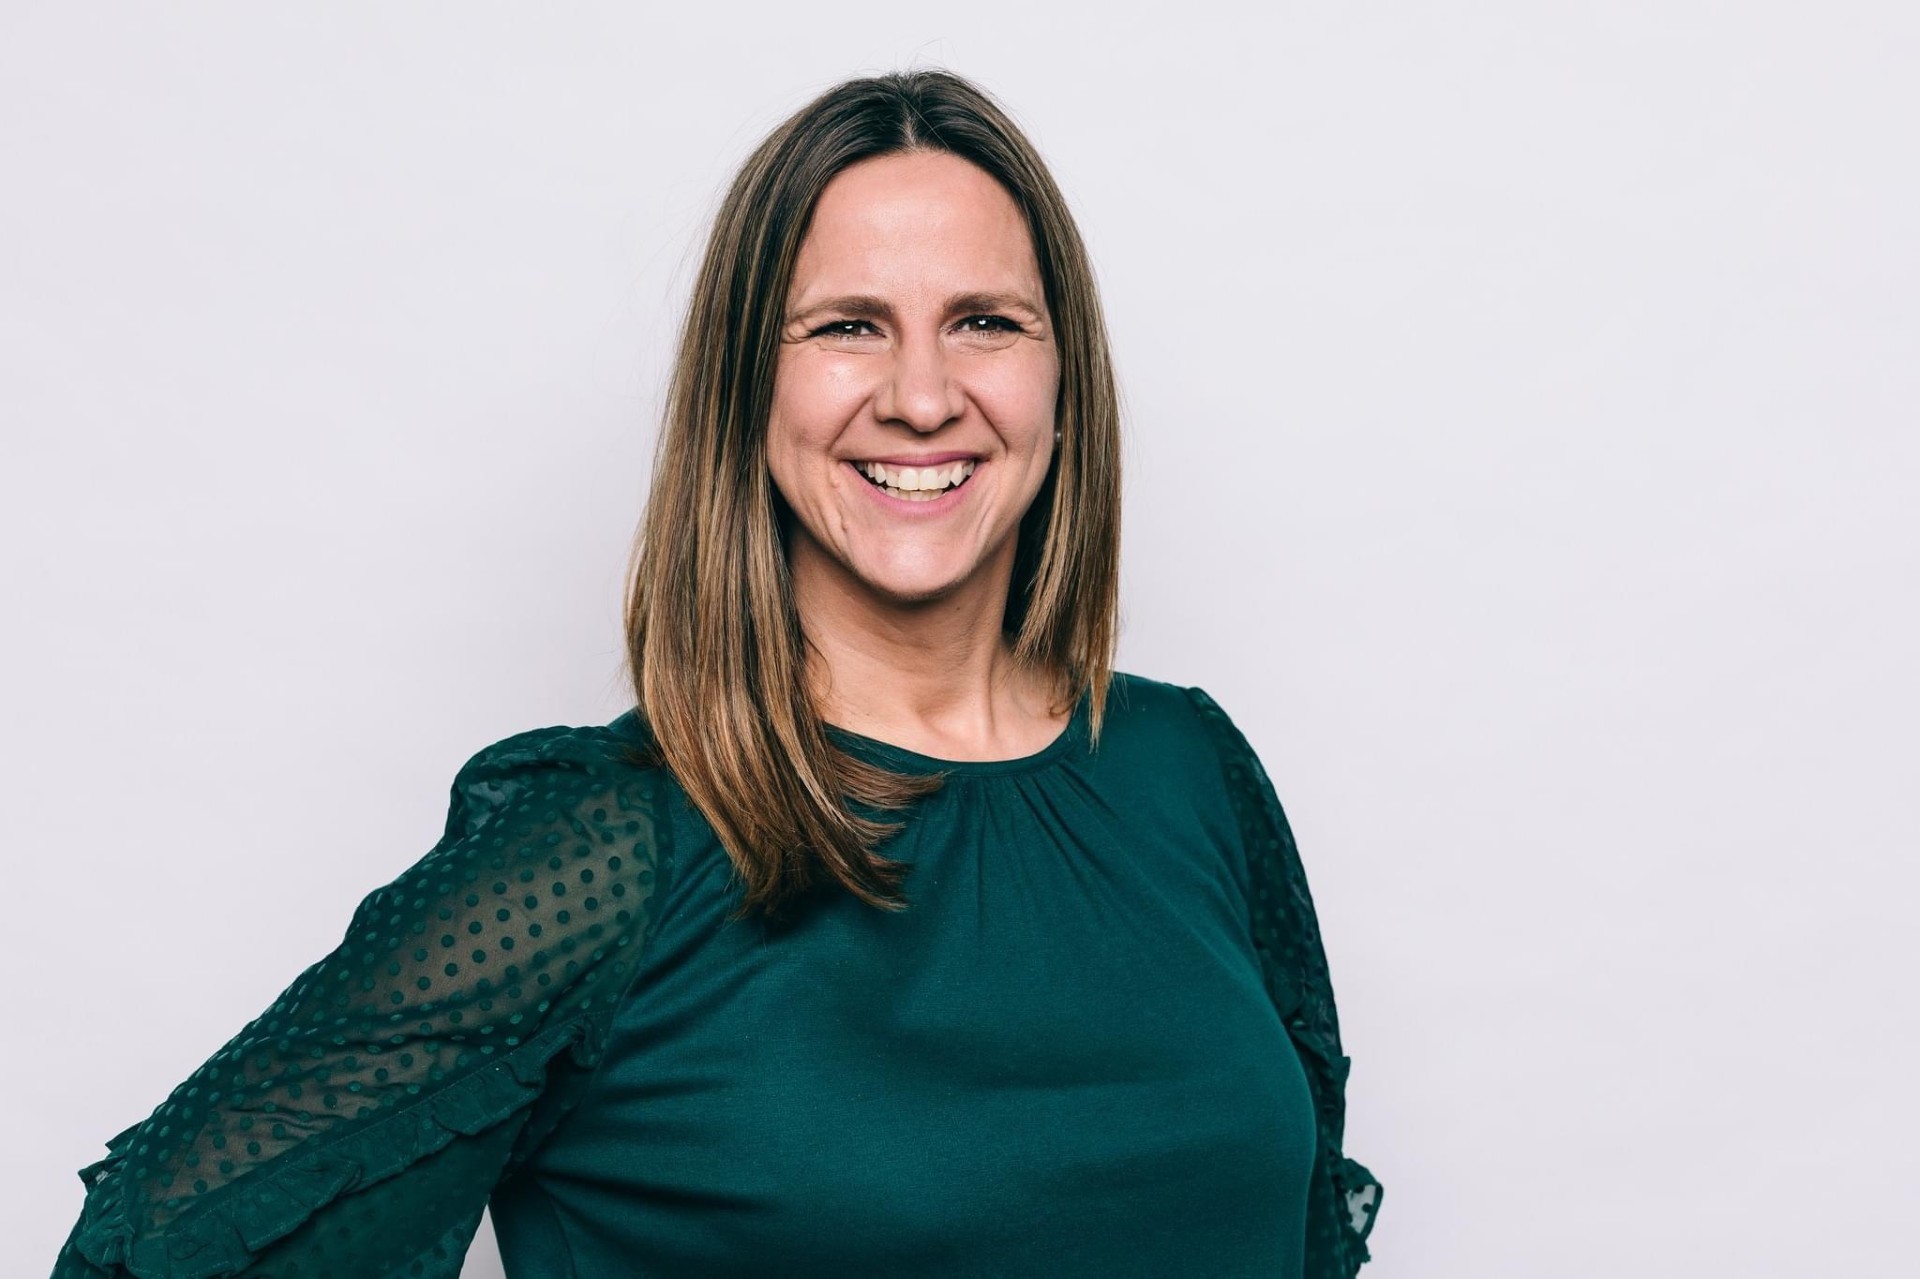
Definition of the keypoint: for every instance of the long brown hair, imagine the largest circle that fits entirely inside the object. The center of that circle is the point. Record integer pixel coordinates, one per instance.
(714, 641)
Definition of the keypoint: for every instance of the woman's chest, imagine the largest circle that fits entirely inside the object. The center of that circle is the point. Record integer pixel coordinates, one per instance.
(1062, 1050)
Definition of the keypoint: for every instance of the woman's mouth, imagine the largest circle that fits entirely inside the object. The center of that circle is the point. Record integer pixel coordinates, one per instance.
(916, 483)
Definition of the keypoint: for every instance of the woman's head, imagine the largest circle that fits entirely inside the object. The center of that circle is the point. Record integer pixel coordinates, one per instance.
(831, 323)
(917, 358)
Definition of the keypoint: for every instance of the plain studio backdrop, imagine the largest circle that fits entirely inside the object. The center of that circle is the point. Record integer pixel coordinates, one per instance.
(1521, 442)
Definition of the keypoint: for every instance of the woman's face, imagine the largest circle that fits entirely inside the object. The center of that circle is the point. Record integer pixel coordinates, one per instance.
(917, 350)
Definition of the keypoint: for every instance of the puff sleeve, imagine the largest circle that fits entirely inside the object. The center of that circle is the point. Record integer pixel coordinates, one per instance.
(359, 1124)
(1343, 1196)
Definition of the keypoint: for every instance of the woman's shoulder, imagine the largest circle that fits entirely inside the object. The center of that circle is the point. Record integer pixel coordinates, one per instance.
(1167, 707)
(533, 767)
(1169, 738)
(555, 843)
(621, 743)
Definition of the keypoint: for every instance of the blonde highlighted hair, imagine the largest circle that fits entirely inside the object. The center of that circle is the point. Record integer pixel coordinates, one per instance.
(714, 642)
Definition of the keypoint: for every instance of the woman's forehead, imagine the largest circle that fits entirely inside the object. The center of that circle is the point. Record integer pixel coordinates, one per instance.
(919, 220)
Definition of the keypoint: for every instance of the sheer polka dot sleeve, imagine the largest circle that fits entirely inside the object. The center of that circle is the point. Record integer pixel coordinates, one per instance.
(1343, 1197)
(359, 1124)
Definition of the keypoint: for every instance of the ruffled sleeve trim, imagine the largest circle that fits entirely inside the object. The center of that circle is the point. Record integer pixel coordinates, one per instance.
(225, 1232)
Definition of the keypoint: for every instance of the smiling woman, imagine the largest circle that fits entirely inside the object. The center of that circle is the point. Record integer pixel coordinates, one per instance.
(661, 996)
(893, 280)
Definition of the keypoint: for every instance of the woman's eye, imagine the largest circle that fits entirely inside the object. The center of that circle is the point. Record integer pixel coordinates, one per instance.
(842, 329)
(862, 328)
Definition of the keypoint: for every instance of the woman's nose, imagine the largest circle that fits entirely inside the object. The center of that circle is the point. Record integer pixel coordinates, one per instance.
(919, 390)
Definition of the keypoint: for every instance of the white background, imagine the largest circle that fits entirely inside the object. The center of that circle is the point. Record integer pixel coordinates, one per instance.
(1522, 446)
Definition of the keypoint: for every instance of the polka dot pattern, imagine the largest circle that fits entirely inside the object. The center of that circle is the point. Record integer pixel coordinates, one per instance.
(1343, 1197)
(359, 1124)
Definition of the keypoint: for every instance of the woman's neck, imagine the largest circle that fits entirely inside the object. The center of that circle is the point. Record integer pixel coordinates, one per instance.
(935, 676)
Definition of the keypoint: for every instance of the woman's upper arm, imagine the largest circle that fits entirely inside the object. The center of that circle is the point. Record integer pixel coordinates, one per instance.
(362, 1120)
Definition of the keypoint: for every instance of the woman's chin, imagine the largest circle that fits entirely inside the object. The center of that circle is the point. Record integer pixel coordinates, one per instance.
(918, 585)
(909, 593)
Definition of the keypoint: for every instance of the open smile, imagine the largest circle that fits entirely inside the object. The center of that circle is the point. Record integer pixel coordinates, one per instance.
(938, 485)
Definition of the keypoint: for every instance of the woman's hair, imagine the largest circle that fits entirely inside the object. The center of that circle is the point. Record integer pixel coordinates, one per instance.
(714, 639)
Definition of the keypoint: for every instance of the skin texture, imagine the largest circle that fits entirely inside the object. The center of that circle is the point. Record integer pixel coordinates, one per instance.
(952, 351)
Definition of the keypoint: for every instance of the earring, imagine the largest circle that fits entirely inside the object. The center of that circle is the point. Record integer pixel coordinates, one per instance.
(1056, 435)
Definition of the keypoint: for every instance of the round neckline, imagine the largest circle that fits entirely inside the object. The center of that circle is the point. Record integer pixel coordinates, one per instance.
(886, 753)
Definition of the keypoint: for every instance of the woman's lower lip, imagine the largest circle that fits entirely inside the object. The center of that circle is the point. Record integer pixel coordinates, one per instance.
(906, 506)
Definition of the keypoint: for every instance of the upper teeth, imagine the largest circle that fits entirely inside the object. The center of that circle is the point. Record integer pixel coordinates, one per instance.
(917, 477)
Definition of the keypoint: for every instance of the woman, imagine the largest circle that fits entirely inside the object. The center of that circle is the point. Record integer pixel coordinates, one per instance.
(659, 996)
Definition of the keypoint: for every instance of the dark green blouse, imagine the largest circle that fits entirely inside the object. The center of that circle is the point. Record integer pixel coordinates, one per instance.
(1101, 1041)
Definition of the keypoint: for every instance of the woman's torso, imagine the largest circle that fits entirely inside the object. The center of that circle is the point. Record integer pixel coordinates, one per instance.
(1060, 1059)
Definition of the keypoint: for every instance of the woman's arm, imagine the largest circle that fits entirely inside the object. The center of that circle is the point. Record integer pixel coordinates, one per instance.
(359, 1125)
(1343, 1196)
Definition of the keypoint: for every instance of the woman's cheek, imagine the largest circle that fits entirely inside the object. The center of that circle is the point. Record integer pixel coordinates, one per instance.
(845, 378)
(809, 408)
(1022, 399)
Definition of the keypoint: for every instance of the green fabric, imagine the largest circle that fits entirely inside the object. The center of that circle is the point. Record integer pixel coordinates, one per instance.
(1100, 1041)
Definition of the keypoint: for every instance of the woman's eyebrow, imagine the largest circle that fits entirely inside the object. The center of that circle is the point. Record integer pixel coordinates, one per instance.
(864, 306)
(992, 301)
(859, 306)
